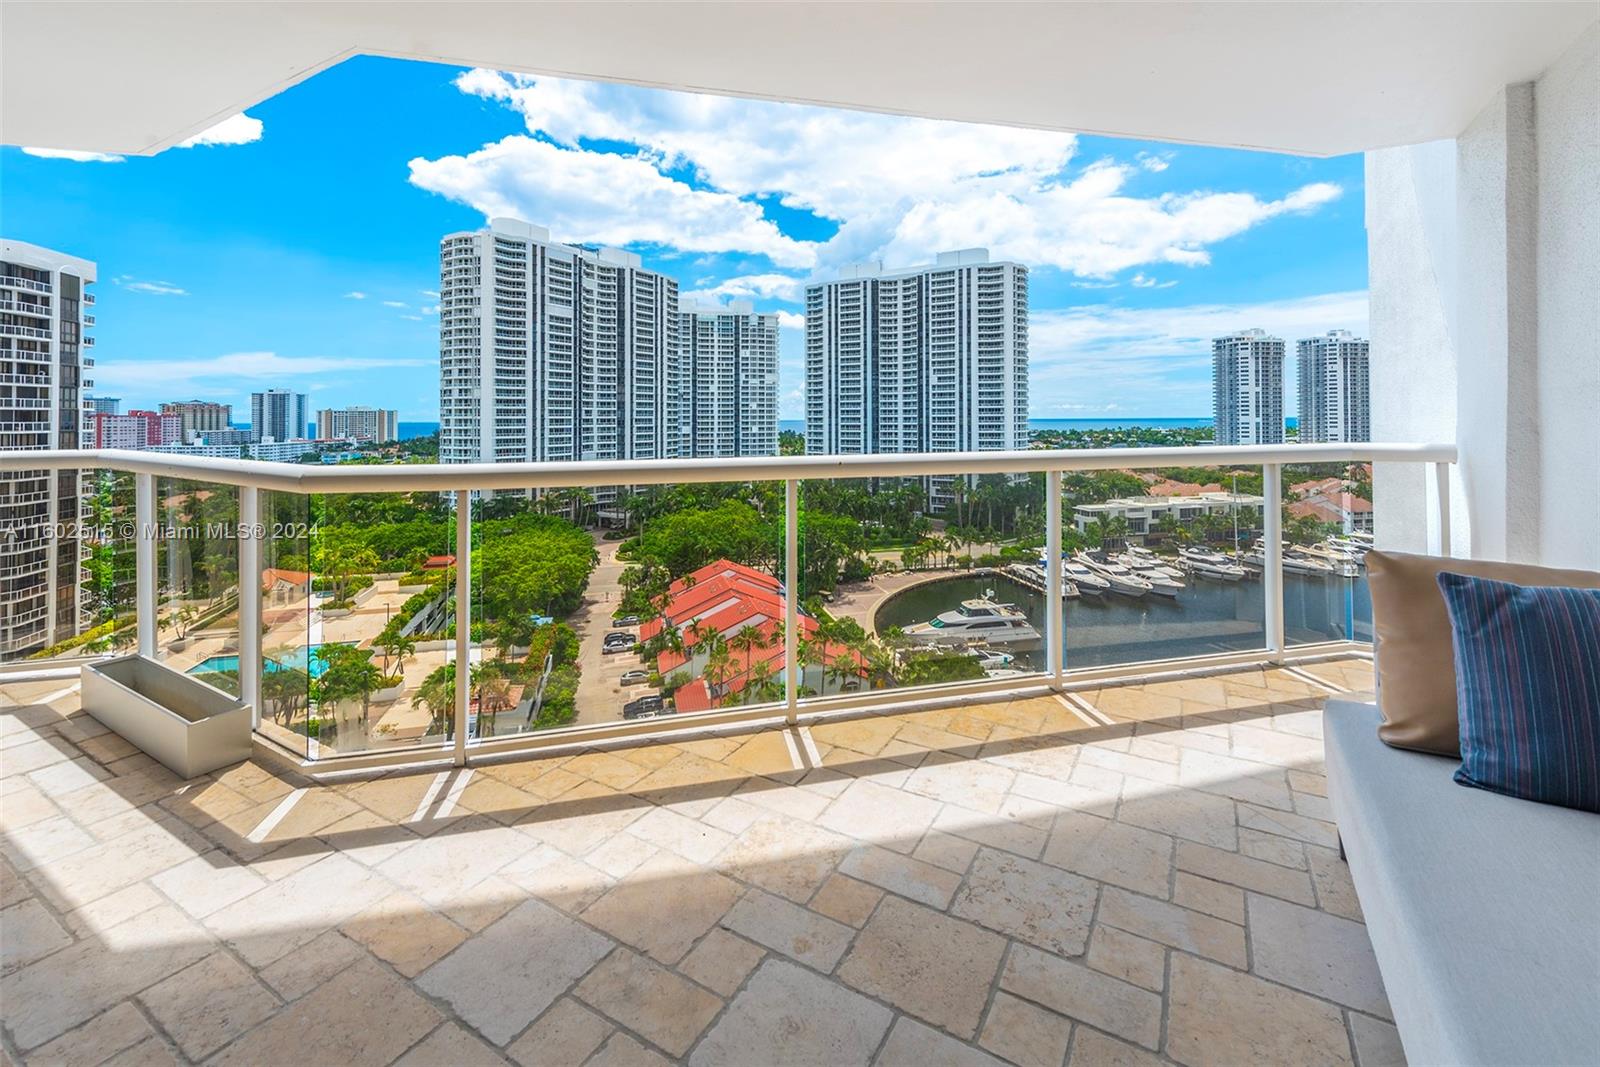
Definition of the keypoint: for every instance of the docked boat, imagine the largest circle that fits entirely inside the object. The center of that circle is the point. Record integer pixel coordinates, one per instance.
(1161, 583)
(1142, 559)
(1088, 582)
(1213, 565)
(991, 658)
(1122, 580)
(981, 619)
(1036, 577)
(1293, 562)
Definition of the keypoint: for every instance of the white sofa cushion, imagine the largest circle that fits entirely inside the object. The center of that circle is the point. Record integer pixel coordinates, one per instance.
(1484, 910)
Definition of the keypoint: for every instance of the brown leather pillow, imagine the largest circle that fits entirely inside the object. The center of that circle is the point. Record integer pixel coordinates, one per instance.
(1413, 657)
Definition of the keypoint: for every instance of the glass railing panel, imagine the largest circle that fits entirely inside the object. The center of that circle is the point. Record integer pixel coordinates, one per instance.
(541, 603)
(918, 582)
(287, 715)
(381, 621)
(66, 564)
(1162, 564)
(700, 589)
(1327, 529)
(197, 580)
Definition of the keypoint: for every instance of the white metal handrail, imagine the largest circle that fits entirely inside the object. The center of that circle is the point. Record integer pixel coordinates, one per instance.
(461, 479)
(451, 477)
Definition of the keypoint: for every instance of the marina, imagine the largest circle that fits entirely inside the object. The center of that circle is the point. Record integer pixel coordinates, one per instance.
(1214, 611)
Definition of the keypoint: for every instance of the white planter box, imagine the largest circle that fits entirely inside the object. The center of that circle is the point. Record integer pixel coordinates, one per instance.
(389, 695)
(410, 589)
(189, 726)
(336, 613)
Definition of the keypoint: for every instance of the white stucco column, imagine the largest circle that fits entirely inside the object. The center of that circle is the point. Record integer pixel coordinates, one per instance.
(1484, 267)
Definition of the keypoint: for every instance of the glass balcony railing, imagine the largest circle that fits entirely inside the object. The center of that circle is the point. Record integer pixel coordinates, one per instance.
(417, 613)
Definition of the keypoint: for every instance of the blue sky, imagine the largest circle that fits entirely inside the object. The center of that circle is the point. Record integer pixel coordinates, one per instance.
(297, 247)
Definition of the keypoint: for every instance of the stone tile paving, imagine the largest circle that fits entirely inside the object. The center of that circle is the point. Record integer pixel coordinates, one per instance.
(995, 884)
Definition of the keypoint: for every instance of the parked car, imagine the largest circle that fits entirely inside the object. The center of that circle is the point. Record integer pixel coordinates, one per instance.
(635, 677)
(613, 647)
(644, 708)
(620, 635)
(625, 620)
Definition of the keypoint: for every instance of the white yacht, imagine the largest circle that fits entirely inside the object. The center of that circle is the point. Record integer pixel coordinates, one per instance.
(991, 658)
(1162, 583)
(1293, 563)
(1121, 578)
(1088, 582)
(976, 620)
(1214, 565)
(1036, 577)
(1142, 559)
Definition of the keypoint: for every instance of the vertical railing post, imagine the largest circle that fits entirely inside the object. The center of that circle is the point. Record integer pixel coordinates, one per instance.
(791, 599)
(1272, 556)
(144, 559)
(463, 620)
(1441, 481)
(1054, 620)
(250, 536)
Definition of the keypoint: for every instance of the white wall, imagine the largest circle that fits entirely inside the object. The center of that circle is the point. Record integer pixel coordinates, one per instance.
(1568, 132)
(1484, 269)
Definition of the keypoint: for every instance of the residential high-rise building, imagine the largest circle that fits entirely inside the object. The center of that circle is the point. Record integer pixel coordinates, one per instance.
(45, 307)
(374, 425)
(137, 429)
(549, 351)
(723, 382)
(930, 359)
(277, 415)
(1335, 394)
(104, 405)
(201, 417)
(1247, 388)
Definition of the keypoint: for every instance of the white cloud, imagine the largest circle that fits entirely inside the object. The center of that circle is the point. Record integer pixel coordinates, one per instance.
(791, 320)
(751, 287)
(237, 129)
(603, 198)
(394, 303)
(430, 293)
(900, 189)
(1142, 281)
(74, 156)
(153, 288)
(355, 294)
(1088, 360)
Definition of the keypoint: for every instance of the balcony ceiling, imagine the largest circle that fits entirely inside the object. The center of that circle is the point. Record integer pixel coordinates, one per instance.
(1312, 78)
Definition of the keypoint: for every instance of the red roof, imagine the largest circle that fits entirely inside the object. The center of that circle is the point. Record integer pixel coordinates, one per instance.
(437, 562)
(727, 598)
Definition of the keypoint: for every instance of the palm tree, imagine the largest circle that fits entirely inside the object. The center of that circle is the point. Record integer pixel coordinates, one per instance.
(398, 646)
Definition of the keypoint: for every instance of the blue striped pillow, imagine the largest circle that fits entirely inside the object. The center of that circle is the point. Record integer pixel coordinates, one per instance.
(1528, 688)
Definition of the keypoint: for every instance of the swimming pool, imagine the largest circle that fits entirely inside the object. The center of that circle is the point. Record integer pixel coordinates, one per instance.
(294, 659)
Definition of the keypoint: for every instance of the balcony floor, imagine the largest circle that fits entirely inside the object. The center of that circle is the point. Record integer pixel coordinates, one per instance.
(1016, 881)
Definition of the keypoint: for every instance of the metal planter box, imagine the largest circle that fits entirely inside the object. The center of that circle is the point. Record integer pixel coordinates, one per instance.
(189, 726)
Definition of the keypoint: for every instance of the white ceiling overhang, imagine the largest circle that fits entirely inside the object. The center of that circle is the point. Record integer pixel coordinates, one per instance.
(1312, 78)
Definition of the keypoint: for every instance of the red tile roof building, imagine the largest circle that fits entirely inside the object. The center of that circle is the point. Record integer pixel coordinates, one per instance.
(728, 598)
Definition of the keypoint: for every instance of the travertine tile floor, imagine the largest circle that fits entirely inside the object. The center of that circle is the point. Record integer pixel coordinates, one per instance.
(1134, 875)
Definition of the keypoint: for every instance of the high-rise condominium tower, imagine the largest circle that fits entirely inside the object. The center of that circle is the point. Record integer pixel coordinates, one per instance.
(1247, 388)
(45, 306)
(277, 415)
(201, 417)
(1335, 397)
(376, 425)
(724, 382)
(549, 351)
(930, 359)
